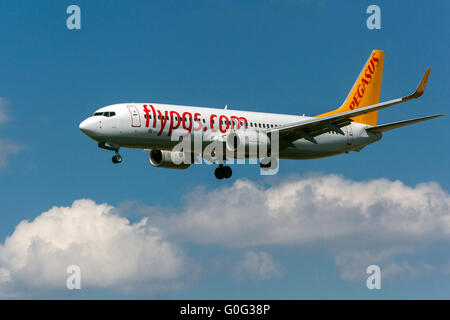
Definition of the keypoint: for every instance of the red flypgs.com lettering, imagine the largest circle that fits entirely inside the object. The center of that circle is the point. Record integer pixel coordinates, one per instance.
(361, 88)
(190, 122)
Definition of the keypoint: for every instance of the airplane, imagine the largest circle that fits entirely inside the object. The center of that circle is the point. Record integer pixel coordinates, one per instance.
(153, 126)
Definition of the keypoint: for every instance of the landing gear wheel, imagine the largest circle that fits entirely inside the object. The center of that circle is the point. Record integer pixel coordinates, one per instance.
(219, 173)
(227, 172)
(117, 158)
(223, 172)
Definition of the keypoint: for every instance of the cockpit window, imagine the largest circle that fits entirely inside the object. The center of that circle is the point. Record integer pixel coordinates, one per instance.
(105, 114)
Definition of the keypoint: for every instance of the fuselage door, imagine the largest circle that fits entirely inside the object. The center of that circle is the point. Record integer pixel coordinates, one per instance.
(135, 118)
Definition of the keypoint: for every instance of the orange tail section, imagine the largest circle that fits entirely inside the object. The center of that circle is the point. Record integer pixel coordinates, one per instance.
(365, 91)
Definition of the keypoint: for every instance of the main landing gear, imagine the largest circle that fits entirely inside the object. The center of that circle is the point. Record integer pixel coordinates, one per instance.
(117, 158)
(223, 172)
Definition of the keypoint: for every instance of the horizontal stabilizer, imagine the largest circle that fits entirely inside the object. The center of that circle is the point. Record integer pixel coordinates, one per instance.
(399, 124)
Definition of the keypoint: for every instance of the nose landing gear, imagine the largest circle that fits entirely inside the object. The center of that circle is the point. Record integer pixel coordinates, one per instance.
(117, 158)
(223, 172)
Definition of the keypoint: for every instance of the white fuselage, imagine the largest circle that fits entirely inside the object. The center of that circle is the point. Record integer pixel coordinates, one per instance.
(152, 126)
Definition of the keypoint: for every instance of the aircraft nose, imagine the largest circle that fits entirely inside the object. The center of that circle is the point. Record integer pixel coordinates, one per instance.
(83, 125)
(87, 127)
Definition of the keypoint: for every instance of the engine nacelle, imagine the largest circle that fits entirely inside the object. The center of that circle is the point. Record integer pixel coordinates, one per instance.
(234, 141)
(169, 160)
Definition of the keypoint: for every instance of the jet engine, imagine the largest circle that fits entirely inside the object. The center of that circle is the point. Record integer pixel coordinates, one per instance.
(169, 159)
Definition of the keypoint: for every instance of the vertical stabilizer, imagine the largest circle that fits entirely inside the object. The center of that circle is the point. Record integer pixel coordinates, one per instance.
(365, 91)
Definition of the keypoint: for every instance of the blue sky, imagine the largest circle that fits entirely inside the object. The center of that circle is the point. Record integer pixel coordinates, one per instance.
(281, 56)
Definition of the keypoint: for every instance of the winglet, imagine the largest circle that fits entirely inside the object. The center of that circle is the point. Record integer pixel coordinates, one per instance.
(421, 88)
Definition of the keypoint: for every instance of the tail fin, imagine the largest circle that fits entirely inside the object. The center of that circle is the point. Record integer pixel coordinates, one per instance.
(365, 91)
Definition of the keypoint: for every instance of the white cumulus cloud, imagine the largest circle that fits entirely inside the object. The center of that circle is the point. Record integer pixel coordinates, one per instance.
(360, 223)
(312, 209)
(258, 265)
(326, 211)
(111, 252)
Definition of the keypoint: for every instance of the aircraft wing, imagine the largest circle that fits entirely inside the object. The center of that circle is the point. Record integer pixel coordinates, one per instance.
(311, 128)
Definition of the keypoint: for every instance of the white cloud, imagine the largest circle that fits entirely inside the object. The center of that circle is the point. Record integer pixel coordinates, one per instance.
(111, 252)
(330, 212)
(353, 263)
(309, 210)
(6, 147)
(359, 222)
(257, 265)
